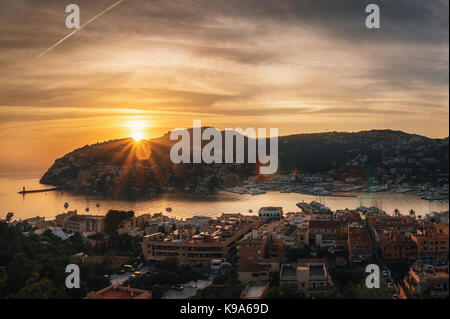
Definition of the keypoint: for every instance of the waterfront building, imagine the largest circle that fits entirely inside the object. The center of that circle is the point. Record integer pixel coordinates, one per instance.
(73, 223)
(271, 213)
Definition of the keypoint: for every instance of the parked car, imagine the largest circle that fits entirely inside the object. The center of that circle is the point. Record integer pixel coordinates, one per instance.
(177, 288)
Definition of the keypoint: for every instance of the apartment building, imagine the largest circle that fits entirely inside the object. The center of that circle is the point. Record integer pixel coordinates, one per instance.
(397, 247)
(312, 275)
(217, 241)
(251, 249)
(303, 235)
(73, 223)
(432, 244)
(253, 272)
(309, 275)
(359, 245)
(323, 233)
(135, 221)
(424, 279)
(271, 213)
(403, 225)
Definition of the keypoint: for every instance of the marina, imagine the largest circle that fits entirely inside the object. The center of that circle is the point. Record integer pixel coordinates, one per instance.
(187, 205)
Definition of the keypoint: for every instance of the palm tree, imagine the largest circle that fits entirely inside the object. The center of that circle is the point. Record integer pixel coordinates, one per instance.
(412, 213)
(396, 212)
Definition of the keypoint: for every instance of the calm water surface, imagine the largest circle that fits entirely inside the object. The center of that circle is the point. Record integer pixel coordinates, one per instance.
(50, 204)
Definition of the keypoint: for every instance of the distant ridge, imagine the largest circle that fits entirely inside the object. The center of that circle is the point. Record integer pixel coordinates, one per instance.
(117, 168)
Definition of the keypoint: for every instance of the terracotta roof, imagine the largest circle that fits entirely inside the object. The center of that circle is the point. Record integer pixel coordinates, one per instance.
(119, 292)
(359, 236)
(243, 267)
(323, 224)
(302, 261)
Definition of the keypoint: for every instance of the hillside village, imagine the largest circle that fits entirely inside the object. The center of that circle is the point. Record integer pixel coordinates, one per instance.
(312, 253)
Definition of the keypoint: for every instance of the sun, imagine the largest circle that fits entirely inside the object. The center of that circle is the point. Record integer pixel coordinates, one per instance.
(137, 129)
(137, 136)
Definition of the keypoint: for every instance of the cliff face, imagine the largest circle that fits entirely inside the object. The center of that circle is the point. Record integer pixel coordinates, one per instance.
(125, 168)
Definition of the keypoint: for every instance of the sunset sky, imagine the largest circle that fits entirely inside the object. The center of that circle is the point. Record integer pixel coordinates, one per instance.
(147, 67)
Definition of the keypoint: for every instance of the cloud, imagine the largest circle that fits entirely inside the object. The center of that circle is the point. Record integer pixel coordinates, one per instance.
(270, 59)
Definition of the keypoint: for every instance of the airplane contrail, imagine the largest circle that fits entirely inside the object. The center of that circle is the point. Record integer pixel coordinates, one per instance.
(76, 30)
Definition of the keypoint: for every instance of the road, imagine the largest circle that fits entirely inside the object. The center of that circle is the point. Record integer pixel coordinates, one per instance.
(189, 290)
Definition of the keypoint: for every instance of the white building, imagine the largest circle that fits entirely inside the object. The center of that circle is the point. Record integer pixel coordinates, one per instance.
(273, 213)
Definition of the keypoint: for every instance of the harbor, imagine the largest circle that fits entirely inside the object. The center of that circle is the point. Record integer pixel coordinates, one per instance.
(52, 203)
(25, 191)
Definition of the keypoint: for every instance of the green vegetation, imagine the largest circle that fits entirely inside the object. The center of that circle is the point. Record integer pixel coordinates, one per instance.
(113, 218)
(350, 284)
(34, 266)
(284, 292)
(356, 291)
(232, 291)
(399, 270)
(293, 254)
(225, 286)
(169, 273)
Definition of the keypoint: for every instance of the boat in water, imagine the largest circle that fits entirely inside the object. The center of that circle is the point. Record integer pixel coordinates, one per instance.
(256, 191)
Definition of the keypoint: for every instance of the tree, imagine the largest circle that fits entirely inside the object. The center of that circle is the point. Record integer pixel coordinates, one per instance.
(43, 288)
(273, 293)
(396, 213)
(108, 258)
(399, 270)
(113, 219)
(157, 291)
(290, 292)
(3, 283)
(412, 213)
(294, 254)
(19, 271)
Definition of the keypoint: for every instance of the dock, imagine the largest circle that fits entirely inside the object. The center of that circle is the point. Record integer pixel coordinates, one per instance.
(24, 191)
